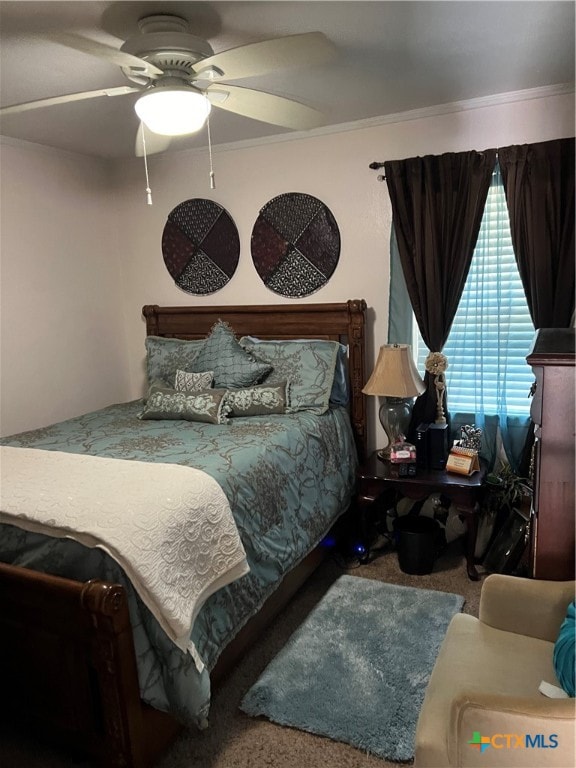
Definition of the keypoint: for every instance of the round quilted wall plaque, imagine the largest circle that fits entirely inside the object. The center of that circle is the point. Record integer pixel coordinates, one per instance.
(295, 244)
(200, 245)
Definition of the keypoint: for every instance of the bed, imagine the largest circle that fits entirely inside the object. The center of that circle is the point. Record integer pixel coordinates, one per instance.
(82, 627)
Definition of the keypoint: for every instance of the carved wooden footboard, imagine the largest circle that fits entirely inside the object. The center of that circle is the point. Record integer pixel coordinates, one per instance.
(75, 638)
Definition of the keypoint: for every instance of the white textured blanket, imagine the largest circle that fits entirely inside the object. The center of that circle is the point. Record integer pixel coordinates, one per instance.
(170, 527)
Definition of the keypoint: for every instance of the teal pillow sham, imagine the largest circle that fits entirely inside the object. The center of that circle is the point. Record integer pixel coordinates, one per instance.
(164, 403)
(308, 366)
(261, 400)
(564, 656)
(165, 356)
(339, 394)
(232, 365)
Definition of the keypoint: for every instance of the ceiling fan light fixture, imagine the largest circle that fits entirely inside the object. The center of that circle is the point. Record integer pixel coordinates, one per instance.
(173, 111)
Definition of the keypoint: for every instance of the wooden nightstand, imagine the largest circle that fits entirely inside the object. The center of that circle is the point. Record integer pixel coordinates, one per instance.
(379, 480)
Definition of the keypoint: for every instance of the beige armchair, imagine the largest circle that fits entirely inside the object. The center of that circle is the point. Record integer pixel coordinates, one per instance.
(486, 678)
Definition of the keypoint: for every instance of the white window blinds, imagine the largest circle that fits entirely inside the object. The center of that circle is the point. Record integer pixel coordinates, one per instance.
(492, 331)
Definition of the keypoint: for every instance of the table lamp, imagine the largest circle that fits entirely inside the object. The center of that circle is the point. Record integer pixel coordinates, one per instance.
(396, 379)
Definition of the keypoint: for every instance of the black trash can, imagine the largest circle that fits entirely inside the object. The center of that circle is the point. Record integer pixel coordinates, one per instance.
(418, 540)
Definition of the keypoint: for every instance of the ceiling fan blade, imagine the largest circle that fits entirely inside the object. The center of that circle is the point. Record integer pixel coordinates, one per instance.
(253, 59)
(118, 91)
(106, 52)
(266, 107)
(155, 143)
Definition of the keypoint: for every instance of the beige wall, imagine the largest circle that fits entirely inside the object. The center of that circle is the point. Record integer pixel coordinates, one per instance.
(62, 337)
(116, 255)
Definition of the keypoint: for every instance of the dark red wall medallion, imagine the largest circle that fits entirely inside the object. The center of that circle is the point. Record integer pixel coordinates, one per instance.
(201, 246)
(295, 244)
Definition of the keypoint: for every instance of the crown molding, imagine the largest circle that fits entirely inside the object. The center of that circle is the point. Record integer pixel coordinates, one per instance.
(510, 97)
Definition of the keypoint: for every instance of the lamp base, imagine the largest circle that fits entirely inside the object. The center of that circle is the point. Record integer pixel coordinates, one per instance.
(394, 416)
(384, 454)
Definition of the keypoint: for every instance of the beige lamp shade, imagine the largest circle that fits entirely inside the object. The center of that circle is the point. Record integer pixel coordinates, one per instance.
(395, 373)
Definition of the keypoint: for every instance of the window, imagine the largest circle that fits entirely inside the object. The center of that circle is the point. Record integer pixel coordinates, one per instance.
(492, 330)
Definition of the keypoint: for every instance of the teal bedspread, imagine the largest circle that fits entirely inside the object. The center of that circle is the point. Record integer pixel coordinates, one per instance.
(287, 478)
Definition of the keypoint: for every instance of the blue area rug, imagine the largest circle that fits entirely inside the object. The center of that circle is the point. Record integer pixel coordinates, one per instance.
(356, 669)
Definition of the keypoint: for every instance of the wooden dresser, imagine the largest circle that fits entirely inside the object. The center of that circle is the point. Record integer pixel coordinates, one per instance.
(553, 414)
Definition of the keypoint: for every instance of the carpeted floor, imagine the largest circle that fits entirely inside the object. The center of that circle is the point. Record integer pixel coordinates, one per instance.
(235, 740)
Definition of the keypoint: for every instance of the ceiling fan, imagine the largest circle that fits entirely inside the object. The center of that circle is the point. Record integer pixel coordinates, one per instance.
(180, 78)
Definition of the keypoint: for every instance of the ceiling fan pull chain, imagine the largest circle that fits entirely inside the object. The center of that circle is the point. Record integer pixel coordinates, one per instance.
(148, 190)
(212, 182)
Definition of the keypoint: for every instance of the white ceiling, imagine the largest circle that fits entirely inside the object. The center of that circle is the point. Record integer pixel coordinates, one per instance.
(392, 57)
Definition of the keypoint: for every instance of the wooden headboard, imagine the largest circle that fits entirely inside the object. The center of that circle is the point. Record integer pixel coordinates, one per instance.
(342, 322)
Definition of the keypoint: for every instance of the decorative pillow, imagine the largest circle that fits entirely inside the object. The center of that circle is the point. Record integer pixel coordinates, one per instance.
(207, 406)
(193, 382)
(232, 365)
(308, 366)
(165, 356)
(261, 400)
(339, 393)
(565, 651)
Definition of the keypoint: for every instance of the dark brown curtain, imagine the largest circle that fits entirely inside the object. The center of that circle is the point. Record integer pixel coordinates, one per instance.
(437, 207)
(539, 183)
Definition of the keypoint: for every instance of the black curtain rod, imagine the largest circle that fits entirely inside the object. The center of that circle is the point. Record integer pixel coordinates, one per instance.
(375, 167)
